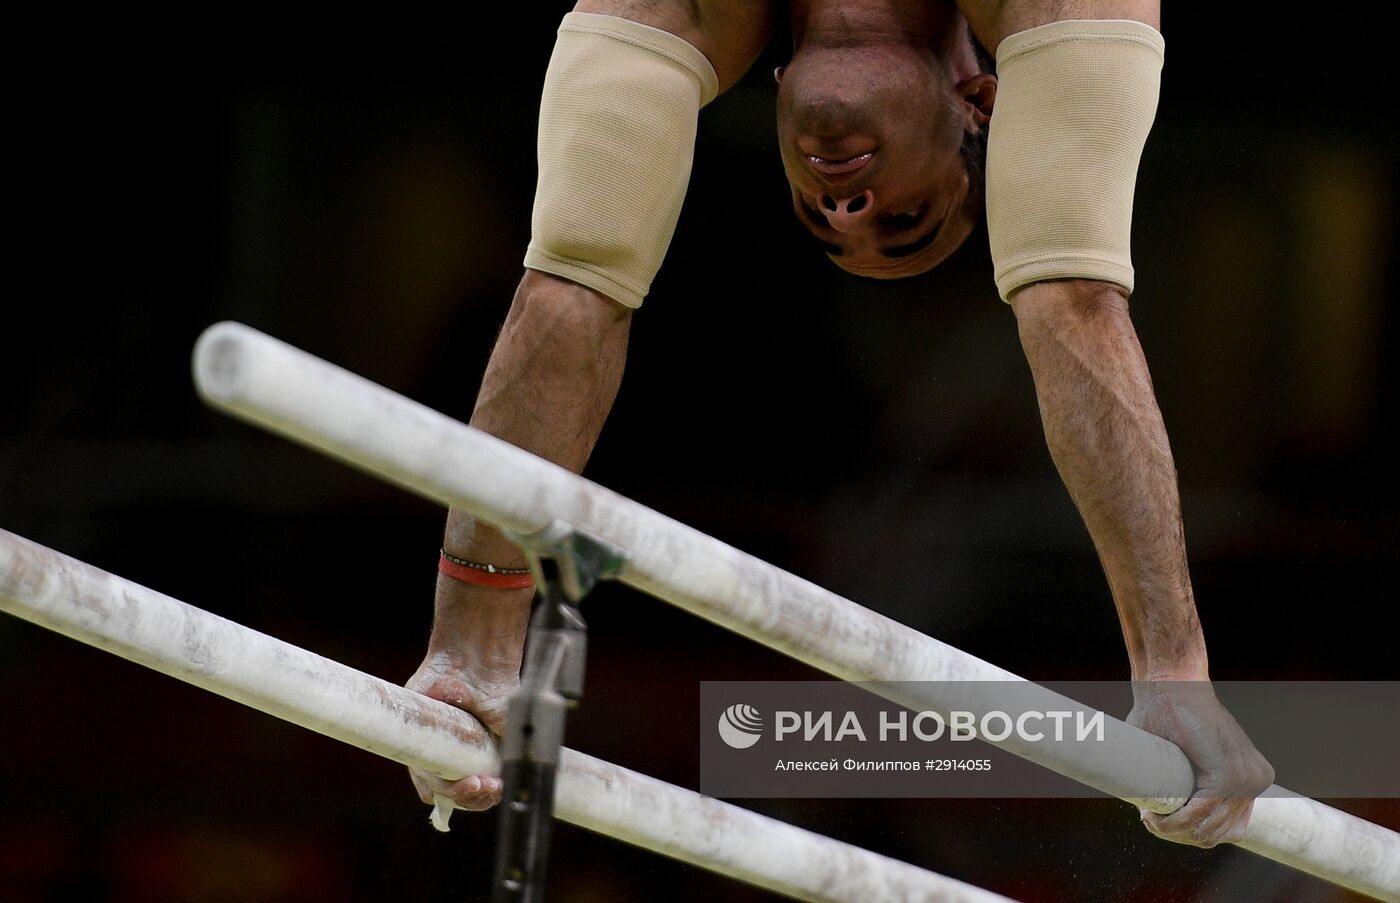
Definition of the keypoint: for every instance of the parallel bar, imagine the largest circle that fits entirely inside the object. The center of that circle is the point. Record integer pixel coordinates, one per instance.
(288, 391)
(152, 629)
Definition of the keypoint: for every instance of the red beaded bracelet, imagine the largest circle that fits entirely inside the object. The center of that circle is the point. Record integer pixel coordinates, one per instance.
(484, 574)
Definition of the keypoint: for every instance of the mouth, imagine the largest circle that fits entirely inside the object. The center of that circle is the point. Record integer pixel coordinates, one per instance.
(845, 167)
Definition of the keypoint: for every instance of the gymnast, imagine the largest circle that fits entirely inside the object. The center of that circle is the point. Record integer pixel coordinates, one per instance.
(896, 132)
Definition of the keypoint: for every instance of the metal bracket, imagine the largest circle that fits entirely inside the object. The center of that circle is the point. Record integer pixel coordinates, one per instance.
(566, 564)
(581, 560)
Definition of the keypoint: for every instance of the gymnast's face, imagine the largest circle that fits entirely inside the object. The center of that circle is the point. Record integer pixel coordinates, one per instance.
(874, 144)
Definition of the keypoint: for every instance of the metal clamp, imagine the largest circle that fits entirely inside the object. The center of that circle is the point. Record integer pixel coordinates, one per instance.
(581, 560)
(566, 564)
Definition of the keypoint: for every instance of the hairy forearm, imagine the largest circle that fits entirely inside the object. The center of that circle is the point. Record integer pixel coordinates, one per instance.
(555, 370)
(548, 388)
(1108, 440)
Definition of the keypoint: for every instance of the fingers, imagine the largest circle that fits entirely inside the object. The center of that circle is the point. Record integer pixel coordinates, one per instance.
(486, 700)
(1202, 822)
(1221, 814)
(1229, 770)
(475, 793)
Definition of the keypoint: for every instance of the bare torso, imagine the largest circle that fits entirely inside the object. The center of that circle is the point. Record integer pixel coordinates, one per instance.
(732, 33)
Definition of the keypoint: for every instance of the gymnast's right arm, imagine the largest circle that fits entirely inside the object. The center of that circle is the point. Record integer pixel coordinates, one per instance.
(617, 132)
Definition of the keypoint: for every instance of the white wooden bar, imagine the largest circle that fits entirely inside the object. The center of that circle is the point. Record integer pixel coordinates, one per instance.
(281, 388)
(203, 649)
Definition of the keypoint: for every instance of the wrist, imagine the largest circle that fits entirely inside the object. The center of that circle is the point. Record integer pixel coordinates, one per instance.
(472, 664)
(480, 630)
(489, 576)
(1193, 666)
(1164, 637)
(466, 539)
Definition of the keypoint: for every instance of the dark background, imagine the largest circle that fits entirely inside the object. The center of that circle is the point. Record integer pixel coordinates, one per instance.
(362, 189)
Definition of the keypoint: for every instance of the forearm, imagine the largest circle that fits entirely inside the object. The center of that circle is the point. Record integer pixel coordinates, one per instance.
(548, 388)
(1107, 438)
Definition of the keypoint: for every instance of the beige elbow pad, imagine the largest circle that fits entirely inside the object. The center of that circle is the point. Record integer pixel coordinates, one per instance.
(1075, 101)
(616, 142)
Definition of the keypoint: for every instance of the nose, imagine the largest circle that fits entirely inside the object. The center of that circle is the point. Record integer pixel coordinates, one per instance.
(847, 212)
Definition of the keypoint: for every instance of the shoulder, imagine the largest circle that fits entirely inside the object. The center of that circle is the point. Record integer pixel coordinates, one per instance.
(730, 33)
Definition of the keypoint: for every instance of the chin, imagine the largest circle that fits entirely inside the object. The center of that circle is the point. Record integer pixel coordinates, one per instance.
(895, 270)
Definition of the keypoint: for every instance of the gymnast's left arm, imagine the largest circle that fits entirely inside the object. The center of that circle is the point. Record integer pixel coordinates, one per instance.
(1107, 437)
(1074, 106)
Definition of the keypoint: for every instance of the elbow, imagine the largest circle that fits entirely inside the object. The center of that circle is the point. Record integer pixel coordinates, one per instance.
(1052, 307)
(569, 326)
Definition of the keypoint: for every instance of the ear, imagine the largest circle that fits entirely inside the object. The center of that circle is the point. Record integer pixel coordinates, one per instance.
(778, 75)
(980, 94)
